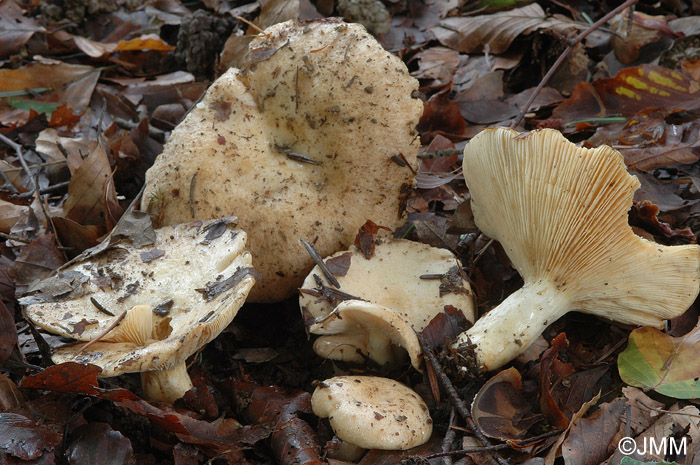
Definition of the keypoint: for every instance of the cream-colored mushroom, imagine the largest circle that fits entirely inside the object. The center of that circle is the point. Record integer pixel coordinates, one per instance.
(372, 412)
(309, 140)
(391, 295)
(167, 300)
(560, 213)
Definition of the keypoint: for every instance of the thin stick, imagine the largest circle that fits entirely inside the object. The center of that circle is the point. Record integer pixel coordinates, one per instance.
(319, 261)
(114, 324)
(565, 55)
(18, 150)
(449, 439)
(45, 190)
(456, 400)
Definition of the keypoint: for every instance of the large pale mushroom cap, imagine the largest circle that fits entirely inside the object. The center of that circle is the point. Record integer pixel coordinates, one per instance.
(323, 91)
(193, 279)
(372, 412)
(560, 213)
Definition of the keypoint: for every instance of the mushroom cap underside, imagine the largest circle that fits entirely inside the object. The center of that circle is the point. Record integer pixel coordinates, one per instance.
(560, 213)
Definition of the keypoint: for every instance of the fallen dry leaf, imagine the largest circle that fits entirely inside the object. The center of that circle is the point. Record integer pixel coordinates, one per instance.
(497, 31)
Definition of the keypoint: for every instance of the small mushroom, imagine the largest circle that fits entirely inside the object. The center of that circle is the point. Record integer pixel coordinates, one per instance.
(560, 213)
(312, 137)
(148, 309)
(382, 301)
(373, 412)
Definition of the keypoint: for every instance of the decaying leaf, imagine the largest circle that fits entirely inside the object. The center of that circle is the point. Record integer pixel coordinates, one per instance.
(21, 439)
(666, 364)
(500, 408)
(629, 92)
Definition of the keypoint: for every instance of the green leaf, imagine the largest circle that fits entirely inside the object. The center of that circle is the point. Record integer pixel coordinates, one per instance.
(39, 107)
(631, 461)
(666, 364)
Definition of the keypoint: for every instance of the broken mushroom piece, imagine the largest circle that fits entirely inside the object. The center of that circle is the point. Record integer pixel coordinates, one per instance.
(382, 301)
(372, 412)
(312, 137)
(148, 309)
(560, 213)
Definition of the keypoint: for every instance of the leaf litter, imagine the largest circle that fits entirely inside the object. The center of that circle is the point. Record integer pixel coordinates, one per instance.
(72, 76)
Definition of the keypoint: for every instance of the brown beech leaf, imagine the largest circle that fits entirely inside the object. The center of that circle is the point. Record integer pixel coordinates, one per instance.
(145, 42)
(16, 28)
(293, 439)
(36, 261)
(500, 408)
(92, 199)
(98, 444)
(366, 236)
(63, 83)
(339, 265)
(68, 377)
(8, 333)
(647, 213)
(445, 326)
(552, 371)
(23, 439)
(441, 116)
(470, 34)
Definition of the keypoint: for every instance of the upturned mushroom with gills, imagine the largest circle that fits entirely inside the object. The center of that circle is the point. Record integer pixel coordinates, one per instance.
(145, 308)
(378, 303)
(560, 213)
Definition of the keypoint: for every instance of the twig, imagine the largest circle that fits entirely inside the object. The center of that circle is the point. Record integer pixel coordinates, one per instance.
(7, 184)
(35, 183)
(457, 401)
(109, 328)
(45, 190)
(20, 155)
(319, 261)
(449, 439)
(565, 55)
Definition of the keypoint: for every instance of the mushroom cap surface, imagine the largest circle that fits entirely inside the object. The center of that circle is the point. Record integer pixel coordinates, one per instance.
(321, 91)
(194, 278)
(392, 279)
(560, 213)
(373, 412)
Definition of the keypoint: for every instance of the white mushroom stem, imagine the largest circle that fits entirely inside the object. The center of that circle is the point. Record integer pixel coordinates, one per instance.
(507, 330)
(166, 385)
(163, 385)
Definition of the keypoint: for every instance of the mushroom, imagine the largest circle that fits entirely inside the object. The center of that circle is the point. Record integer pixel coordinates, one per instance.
(313, 136)
(560, 213)
(373, 412)
(382, 301)
(148, 309)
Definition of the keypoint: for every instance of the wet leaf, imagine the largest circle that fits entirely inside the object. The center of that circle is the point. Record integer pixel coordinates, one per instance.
(666, 364)
(69, 377)
(23, 439)
(552, 371)
(445, 327)
(500, 408)
(98, 444)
